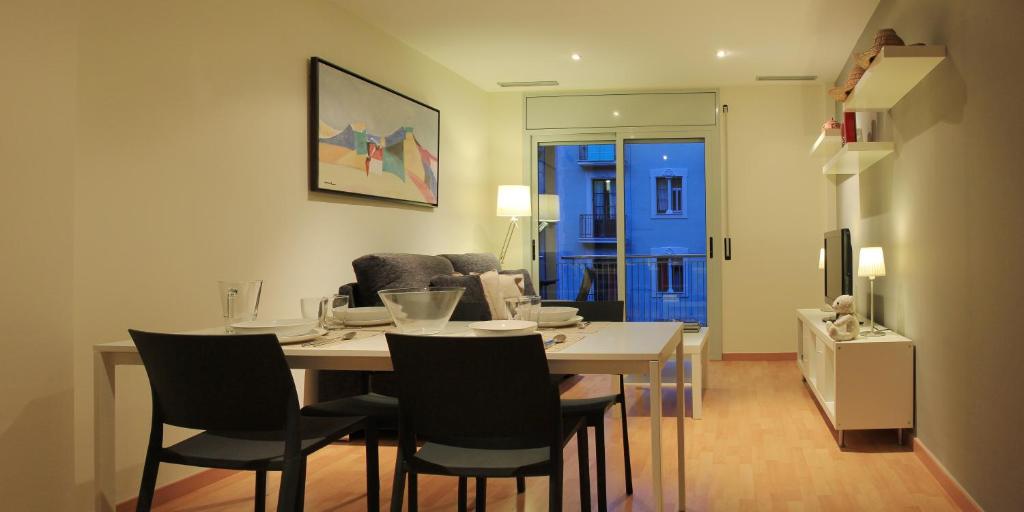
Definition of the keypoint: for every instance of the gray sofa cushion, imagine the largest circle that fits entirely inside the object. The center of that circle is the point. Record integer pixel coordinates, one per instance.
(474, 290)
(473, 262)
(375, 272)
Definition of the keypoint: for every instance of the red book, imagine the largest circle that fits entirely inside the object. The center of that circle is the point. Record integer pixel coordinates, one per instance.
(849, 127)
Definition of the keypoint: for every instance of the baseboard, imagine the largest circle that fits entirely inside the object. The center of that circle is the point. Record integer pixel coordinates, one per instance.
(956, 492)
(180, 488)
(759, 356)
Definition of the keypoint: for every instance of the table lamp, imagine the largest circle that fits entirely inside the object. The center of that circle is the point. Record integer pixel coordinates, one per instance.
(872, 265)
(513, 202)
(548, 210)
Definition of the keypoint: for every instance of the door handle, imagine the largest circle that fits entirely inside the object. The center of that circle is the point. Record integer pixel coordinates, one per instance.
(711, 247)
(728, 249)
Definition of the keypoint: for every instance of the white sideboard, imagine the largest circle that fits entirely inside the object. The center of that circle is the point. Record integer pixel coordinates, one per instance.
(866, 383)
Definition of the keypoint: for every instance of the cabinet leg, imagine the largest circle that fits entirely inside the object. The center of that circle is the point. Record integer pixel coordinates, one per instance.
(842, 439)
(899, 436)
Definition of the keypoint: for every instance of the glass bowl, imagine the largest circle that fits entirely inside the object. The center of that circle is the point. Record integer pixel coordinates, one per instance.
(421, 310)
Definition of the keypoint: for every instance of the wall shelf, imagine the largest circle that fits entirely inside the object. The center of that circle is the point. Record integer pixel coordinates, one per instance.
(854, 157)
(827, 144)
(895, 71)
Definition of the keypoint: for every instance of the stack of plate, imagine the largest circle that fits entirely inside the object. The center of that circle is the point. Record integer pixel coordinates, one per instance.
(287, 331)
(362, 317)
(559, 316)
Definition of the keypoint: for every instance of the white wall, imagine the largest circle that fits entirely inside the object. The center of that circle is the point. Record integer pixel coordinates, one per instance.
(37, 142)
(778, 213)
(946, 209)
(506, 156)
(193, 168)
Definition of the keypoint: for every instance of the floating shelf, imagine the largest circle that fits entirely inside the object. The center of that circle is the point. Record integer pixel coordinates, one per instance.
(854, 157)
(895, 71)
(827, 144)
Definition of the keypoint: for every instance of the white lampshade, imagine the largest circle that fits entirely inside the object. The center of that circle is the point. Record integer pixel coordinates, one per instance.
(821, 259)
(513, 201)
(548, 208)
(872, 262)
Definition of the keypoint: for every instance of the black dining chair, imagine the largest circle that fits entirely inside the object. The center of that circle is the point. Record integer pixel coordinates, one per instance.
(381, 412)
(239, 391)
(594, 408)
(481, 409)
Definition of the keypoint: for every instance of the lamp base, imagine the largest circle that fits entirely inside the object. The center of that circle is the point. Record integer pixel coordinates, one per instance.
(872, 334)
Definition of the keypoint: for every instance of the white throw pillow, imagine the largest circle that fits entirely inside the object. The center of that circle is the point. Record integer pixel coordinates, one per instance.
(498, 287)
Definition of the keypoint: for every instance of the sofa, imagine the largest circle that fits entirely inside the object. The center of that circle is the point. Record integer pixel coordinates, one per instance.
(381, 271)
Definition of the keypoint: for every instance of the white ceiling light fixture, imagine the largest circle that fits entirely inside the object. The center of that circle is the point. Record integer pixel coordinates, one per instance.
(664, 157)
(575, 56)
(721, 54)
(615, 113)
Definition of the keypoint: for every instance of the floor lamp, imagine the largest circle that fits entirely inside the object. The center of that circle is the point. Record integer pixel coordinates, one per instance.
(513, 202)
(872, 265)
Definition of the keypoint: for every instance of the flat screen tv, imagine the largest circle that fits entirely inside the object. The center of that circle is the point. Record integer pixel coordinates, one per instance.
(838, 265)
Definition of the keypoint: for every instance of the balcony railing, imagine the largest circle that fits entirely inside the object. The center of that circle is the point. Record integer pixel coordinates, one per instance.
(658, 287)
(597, 227)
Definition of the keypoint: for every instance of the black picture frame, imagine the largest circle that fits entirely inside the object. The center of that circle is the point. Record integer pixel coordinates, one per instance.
(336, 152)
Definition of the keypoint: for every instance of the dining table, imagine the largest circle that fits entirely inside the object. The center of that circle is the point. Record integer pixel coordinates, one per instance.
(609, 348)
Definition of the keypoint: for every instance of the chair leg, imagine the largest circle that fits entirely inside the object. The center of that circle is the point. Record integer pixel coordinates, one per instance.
(398, 486)
(625, 446)
(290, 476)
(148, 486)
(555, 488)
(463, 491)
(481, 494)
(602, 483)
(583, 450)
(520, 484)
(372, 469)
(261, 491)
(300, 488)
(414, 503)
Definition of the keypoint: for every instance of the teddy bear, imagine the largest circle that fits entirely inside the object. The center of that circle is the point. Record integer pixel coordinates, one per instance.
(846, 327)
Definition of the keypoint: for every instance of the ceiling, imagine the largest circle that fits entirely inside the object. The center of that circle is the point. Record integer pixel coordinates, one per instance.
(625, 44)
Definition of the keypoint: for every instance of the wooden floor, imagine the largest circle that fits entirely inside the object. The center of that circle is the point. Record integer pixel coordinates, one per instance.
(762, 445)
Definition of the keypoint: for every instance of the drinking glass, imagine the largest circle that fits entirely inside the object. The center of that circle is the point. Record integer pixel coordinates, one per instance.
(526, 307)
(239, 301)
(314, 308)
(334, 310)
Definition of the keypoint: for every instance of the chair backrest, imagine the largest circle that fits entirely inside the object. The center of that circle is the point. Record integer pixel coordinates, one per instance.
(594, 311)
(476, 393)
(218, 382)
(585, 284)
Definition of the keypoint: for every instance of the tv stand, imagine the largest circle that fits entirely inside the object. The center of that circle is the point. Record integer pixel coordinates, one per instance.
(861, 384)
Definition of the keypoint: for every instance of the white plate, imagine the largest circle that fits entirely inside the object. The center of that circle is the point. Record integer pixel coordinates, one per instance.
(572, 321)
(371, 313)
(287, 327)
(550, 314)
(315, 333)
(503, 327)
(378, 322)
(367, 323)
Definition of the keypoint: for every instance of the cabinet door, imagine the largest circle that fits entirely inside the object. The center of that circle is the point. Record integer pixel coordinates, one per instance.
(874, 385)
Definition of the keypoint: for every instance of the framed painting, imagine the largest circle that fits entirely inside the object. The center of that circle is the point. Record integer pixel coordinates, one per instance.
(369, 140)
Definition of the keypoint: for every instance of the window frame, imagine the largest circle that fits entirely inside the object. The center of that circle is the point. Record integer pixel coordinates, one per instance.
(668, 173)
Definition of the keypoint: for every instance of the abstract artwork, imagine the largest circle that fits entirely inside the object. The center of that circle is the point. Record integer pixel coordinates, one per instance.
(369, 140)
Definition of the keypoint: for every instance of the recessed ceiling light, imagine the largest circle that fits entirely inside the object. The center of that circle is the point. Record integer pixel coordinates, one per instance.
(721, 54)
(575, 56)
(664, 157)
(616, 113)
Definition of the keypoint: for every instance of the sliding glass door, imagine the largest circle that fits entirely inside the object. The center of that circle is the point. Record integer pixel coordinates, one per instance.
(623, 216)
(666, 230)
(576, 238)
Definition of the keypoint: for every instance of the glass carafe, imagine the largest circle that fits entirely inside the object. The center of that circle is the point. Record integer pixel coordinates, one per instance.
(239, 301)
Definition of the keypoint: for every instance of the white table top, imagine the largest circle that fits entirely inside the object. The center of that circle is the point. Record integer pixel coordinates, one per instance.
(638, 341)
